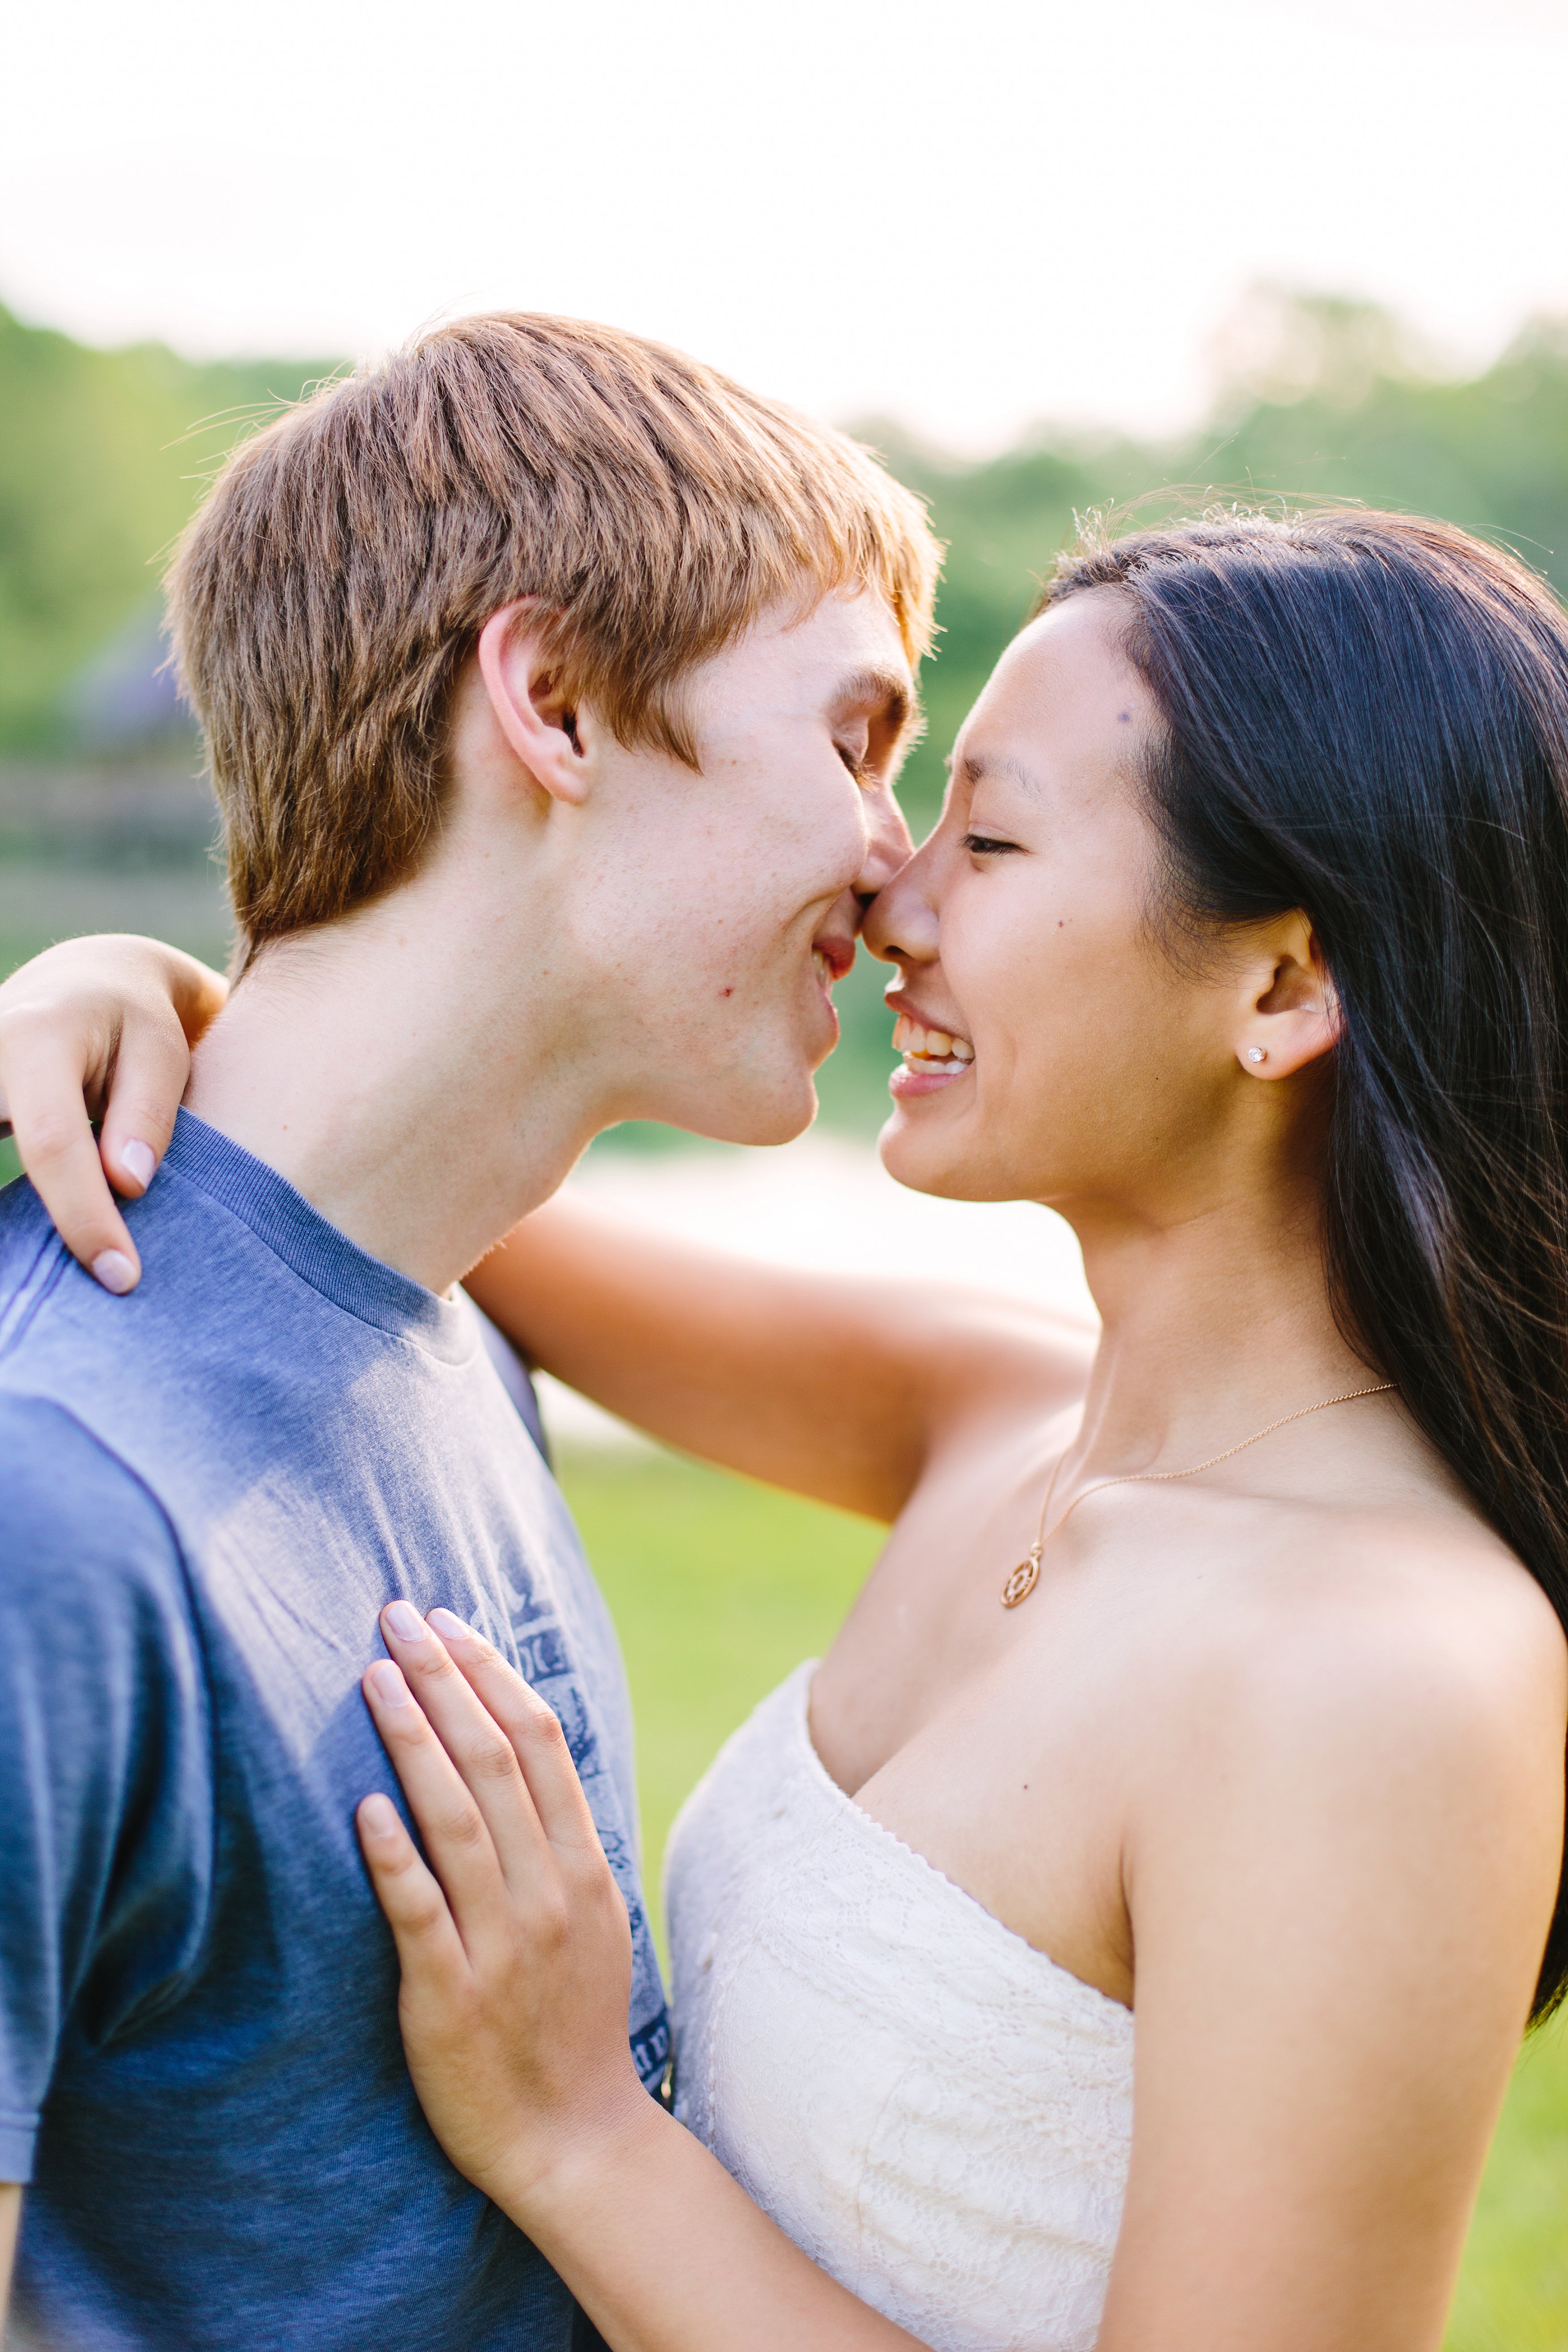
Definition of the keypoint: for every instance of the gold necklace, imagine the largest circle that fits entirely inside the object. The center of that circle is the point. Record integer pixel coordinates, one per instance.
(1026, 1575)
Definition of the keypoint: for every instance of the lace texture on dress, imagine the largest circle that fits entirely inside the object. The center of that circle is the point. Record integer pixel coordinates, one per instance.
(935, 2111)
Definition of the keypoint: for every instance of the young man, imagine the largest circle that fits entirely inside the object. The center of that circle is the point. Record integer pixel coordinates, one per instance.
(553, 688)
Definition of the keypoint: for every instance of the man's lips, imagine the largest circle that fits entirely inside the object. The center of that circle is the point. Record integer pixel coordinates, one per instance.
(833, 956)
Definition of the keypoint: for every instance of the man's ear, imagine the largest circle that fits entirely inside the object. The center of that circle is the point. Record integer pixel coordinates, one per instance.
(518, 676)
(1291, 1016)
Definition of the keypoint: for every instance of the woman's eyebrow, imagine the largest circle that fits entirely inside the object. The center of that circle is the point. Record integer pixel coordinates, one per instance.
(976, 767)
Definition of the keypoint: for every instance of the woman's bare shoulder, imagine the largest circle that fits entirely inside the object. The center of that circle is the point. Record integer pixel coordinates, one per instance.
(1364, 1636)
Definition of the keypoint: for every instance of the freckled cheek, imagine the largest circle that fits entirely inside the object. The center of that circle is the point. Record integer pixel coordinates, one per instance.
(836, 835)
(787, 879)
(743, 960)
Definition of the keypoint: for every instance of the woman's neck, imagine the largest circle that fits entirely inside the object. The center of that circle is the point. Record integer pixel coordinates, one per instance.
(1213, 1324)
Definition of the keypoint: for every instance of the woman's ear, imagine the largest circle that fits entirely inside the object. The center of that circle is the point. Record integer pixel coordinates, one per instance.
(520, 679)
(1292, 1016)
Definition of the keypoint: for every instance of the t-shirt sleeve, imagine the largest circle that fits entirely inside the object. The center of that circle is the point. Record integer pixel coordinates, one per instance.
(105, 1766)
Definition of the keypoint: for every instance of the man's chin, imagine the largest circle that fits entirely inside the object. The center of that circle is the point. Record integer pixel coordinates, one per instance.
(754, 1115)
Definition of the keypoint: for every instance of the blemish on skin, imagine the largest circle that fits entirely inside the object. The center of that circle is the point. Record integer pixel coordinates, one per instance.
(726, 992)
(1124, 718)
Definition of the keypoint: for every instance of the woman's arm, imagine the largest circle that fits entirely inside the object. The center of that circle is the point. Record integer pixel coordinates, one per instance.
(1339, 1878)
(516, 1960)
(828, 1385)
(99, 1027)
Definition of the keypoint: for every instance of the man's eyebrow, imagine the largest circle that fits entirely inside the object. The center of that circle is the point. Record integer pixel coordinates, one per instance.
(887, 692)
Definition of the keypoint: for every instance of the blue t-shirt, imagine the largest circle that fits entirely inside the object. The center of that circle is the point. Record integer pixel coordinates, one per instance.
(207, 1491)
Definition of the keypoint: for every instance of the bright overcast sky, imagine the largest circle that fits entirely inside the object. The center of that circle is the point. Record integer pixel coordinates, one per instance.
(969, 216)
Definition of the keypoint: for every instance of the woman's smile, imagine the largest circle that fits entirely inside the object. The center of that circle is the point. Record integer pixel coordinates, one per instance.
(934, 1058)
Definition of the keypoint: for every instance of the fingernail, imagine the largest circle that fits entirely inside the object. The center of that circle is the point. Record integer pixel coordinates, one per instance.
(115, 1271)
(137, 1161)
(404, 1620)
(379, 1816)
(450, 1628)
(390, 1686)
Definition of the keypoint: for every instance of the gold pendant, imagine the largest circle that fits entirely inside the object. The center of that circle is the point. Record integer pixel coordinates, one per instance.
(1023, 1581)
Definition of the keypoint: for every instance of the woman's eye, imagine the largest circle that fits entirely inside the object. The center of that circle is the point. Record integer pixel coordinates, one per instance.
(983, 844)
(855, 761)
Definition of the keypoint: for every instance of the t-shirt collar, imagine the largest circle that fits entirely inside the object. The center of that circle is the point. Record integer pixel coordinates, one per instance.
(317, 1251)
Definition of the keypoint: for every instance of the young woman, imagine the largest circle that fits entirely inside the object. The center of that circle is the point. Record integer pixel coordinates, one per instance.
(1214, 1674)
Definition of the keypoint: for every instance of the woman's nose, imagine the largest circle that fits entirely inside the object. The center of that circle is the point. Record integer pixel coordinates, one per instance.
(900, 924)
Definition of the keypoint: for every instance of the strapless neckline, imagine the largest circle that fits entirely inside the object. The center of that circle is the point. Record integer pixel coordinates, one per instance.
(911, 1854)
(938, 2113)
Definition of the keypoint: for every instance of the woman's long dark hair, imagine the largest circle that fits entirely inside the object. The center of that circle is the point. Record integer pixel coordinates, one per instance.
(1366, 716)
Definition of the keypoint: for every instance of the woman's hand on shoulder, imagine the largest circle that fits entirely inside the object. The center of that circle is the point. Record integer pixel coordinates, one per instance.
(1339, 1878)
(99, 1028)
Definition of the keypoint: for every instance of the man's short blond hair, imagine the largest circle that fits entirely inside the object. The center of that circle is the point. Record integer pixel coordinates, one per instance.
(340, 570)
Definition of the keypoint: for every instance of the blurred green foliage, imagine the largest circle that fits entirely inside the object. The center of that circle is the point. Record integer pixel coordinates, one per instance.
(102, 454)
(1321, 398)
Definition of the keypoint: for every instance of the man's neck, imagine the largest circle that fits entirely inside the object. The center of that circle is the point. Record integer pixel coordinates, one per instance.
(421, 1095)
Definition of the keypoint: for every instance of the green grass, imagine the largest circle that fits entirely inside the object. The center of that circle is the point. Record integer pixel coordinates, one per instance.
(719, 1588)
(1513, 2289)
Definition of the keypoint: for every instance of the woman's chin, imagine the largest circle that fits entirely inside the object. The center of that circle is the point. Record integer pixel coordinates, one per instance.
(946, 1151)
(924, 1154)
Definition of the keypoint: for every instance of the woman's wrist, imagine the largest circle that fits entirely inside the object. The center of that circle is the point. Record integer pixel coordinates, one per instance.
(550, 2185)
(198, 993)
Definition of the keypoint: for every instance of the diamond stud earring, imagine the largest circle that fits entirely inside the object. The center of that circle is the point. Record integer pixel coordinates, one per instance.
(1258, 1053)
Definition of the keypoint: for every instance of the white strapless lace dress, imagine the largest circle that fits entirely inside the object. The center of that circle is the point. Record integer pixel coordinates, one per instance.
(936, 2112)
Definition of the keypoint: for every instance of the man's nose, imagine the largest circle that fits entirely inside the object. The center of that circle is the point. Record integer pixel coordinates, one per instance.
(888, 844)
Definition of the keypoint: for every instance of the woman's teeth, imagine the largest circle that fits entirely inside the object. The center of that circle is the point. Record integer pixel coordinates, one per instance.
(933, 1048)
(824, 968)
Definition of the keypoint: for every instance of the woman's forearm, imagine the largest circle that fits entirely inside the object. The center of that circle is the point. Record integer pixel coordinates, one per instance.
(666, 2253)
(831, 1385)
(813, 1382)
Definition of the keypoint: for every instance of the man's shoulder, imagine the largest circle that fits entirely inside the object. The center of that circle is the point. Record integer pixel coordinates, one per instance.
(81, 1531)
(52, 1457)
(41, 1292)
(31, 1251)
(75, 1522)
(62, 1335)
